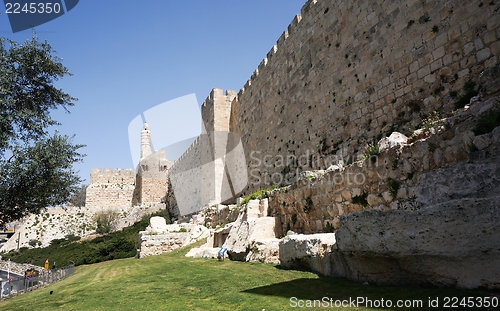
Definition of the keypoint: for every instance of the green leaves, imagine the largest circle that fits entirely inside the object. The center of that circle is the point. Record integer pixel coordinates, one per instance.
(38, 176)
(27, 93)
(35, 167)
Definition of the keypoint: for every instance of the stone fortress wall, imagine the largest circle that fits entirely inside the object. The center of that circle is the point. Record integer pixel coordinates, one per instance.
(112, 188)
(126, 188)
(198, 175)
(347, 72)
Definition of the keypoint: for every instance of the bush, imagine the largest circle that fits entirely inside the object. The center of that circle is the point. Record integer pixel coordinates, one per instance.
(259, 194)
(105, 221)
(469, 92)
(371, 151)
(487, 122)
(116, 245)
(34, 243)
(360, 199)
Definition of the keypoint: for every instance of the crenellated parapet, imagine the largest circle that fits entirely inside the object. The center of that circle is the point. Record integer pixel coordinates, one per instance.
(345, 73)
(216, 109)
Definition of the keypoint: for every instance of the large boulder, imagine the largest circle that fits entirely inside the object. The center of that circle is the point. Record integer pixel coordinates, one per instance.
(245, 231)
(451, 244)
(307, 252)
(158, 239)
(396, 139)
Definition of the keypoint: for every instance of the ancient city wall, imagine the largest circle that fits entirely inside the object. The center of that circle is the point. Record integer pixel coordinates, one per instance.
(198, 176)
(347, 72)
(192, 176)
(111, 188)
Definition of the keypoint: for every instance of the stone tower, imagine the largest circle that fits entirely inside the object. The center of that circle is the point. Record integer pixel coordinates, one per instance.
(152, 172)
(145, 142)
(120, 188)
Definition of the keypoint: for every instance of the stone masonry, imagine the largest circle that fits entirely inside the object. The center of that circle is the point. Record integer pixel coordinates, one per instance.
(123, 188)
(345, 74)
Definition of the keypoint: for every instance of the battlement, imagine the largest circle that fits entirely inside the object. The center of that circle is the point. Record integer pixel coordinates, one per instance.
(216, 109)
(280, 43)
(110, 176)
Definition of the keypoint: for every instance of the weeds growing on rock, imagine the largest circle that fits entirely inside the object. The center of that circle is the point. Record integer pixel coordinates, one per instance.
(360, 199)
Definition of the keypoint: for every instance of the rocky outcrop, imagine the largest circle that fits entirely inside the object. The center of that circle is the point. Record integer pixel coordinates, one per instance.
(395, 140)
(308, 252)
(478, 179)
(58, 222)
(160, 238)
(252, 237)
(450, 244)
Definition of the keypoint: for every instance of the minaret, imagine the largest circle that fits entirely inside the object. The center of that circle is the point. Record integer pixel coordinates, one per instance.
(145, 142)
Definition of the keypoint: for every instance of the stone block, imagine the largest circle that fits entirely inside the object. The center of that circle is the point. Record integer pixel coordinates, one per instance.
(483, 54)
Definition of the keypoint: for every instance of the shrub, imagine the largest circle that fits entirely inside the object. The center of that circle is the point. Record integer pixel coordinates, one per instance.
(360, 199)
(34, 243)
(105, 221)
(469, 92)
(328, 228)
(487, 122)
(259, 194)
(393, 187)
(430, 121)
(371, 151)
(414, 106)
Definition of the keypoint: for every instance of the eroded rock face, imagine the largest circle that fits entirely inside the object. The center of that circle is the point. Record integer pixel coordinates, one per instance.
(308, 252)
(449, 244)
(396, 139)
(478, 179)
(245, 231)
(252, 237)
(160, 238)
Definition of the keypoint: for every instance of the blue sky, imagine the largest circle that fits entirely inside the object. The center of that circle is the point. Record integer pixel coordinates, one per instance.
(128, 56)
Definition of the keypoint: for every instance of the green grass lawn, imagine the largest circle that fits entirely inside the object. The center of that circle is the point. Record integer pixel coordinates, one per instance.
(174, 282)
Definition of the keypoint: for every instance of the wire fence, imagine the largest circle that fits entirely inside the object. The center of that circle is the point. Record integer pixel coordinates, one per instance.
(14, 285)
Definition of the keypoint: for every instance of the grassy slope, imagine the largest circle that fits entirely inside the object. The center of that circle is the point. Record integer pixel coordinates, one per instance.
(174, 282)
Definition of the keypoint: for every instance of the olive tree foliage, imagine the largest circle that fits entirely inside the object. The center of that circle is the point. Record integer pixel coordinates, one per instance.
(35, 165)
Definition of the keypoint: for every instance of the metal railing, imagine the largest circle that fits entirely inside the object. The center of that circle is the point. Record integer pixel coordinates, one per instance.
(15, 285)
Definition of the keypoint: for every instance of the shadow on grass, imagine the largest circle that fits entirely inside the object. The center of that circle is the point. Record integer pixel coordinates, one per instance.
(328, 291)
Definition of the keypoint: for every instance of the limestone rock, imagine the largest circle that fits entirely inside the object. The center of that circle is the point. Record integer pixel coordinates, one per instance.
(308, 252)
(464, 180)
(157, 224)
(490, 80)
(264, 250)
(482, 141)
(173, 237)
(449, 244)
(245, 231)
(394, 140)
